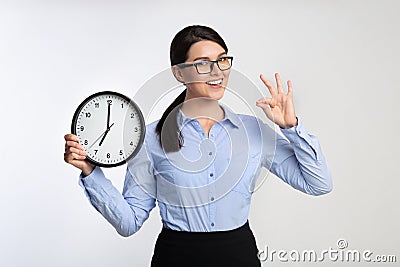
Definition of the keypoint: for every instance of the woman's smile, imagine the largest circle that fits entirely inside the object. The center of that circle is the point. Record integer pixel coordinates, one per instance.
(215, 83)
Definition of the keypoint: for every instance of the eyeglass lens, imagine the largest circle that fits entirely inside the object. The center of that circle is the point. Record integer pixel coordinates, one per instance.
(207, 66)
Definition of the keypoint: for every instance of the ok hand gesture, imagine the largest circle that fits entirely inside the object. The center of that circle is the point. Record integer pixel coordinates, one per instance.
(279, 108)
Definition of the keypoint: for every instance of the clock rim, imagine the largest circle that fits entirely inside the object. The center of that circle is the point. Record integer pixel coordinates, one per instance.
(141, 120)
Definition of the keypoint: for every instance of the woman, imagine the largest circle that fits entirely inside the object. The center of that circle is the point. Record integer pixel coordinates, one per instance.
(204, 206)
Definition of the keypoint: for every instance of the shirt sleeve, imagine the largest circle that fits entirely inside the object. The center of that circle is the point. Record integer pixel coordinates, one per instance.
(126, 212)
(298, 161)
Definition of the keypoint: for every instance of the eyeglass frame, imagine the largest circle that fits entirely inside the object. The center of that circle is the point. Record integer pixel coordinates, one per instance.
(184, 65)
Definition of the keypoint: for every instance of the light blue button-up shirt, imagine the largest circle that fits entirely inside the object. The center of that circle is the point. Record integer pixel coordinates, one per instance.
(208, 184)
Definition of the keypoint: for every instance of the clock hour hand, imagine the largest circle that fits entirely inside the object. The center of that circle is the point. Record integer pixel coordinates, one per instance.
(105, 134)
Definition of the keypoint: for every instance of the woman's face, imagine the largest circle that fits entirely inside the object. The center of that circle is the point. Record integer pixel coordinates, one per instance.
(211, 85)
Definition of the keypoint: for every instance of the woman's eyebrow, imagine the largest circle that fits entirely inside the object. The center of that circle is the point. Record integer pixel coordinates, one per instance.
(207, 58)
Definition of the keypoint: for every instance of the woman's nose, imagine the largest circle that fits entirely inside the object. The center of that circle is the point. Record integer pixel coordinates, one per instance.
(215, 71)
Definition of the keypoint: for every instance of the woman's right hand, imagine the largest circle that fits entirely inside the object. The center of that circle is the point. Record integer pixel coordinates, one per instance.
(76, 155)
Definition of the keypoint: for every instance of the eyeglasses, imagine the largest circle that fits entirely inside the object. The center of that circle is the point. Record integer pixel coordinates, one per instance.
(207, 66)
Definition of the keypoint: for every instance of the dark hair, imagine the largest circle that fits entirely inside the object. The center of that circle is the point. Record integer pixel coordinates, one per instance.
(171, 138)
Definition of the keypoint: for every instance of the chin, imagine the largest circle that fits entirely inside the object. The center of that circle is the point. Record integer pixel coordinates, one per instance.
(217, 95)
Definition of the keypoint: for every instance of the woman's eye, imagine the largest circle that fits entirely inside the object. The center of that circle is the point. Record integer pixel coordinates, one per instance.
(202, 63)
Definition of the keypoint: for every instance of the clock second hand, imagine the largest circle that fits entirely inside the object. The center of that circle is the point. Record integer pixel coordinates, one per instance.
(96, 140)
(101, 136)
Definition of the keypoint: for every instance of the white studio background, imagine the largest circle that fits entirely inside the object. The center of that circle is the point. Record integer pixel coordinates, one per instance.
(342, 57)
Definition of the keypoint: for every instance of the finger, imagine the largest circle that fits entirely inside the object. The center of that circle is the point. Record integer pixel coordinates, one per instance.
(73, 144)
(278, 83)
(270, 87)
(290, 89)
(76, 151)
(71, 137)
(69, 157)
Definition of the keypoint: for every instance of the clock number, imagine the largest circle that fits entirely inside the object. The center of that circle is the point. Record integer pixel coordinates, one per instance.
(136, 129)
(131, 143)
(132, 115)
(122, 105)
(121, 153)
(82, 128)
(96, 105)
(95, 151)
(109, 102)
(86, 142)
(88, 114)
(108, 155)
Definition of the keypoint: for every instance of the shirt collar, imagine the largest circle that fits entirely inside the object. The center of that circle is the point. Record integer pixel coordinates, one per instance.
(230, 116)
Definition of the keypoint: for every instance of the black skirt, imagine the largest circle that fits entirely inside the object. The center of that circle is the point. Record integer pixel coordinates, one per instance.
(233, 248)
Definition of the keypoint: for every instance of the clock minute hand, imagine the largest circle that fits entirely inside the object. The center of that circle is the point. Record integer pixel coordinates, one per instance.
(108, 115)
(105, 134)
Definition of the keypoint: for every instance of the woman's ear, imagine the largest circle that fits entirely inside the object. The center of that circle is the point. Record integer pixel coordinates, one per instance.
(177, 73)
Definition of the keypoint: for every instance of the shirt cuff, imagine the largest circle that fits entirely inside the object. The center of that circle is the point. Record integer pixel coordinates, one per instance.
(299, 136)
(91, 179)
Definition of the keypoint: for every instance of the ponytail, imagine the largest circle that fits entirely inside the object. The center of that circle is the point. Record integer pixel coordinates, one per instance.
(171, 138)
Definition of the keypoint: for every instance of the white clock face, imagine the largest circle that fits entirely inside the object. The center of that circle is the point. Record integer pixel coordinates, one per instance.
(110, 127)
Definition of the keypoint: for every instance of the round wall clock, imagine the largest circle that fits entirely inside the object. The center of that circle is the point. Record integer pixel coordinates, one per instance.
(110, 127)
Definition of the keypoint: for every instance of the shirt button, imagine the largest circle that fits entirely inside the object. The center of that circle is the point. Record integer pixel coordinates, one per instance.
(211, 174)
(212, 198)
(212, 224)
(210, 153)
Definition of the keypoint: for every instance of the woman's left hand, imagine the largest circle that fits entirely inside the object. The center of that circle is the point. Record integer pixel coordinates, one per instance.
(279, 108)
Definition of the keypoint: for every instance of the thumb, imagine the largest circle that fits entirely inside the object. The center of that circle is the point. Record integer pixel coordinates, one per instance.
(265, 107)
(268, 101)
